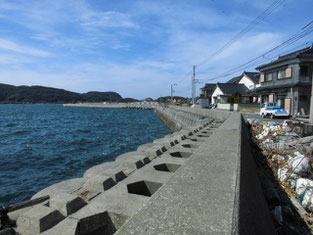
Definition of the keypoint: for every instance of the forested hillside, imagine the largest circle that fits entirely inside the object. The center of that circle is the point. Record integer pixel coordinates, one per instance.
(39, 94)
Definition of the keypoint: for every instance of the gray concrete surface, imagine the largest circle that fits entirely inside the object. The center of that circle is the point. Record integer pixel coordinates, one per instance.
(203, 197)
(200, 180)
(38, 220)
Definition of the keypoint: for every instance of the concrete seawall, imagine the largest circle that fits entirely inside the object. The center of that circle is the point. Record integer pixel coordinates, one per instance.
(112, 105)
(199, 180)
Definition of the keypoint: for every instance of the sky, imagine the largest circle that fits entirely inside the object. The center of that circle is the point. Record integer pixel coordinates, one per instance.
(139, 48)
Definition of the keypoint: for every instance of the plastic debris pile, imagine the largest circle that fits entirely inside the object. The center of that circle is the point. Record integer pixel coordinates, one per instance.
(289, 156)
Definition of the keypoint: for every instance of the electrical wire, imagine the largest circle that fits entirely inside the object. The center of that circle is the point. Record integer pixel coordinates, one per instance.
(254, 22)
(296, 37)
(239, 35)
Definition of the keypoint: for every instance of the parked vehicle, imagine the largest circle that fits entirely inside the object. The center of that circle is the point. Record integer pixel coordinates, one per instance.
(195, 105)
(270, 109)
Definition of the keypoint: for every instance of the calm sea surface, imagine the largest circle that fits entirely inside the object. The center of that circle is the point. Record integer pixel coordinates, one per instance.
(41, 145)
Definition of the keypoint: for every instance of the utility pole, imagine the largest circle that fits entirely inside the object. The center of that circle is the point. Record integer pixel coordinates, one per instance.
(311, 104)
(172, 91)
(193, 84)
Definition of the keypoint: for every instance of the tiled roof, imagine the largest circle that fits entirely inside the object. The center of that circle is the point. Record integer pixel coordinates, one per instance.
(295, 54)
(234, 79)
(209, 86)
(228, 88)
(254, 76)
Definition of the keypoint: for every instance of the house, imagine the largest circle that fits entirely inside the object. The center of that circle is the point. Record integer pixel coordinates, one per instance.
(225, 90)
(287, 81)
(234, 80)
(207, 91)
(249, 79)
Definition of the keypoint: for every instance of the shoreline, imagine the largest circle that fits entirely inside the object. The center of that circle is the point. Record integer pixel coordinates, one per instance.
(160, 178)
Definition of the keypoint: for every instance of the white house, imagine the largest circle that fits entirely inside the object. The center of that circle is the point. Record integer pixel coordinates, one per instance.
(225, 90)
(245, 84)
(251, 80)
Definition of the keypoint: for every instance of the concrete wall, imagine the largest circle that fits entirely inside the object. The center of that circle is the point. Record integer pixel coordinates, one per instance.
(225, 106)
(112, 105)
(199, 180)
(209, 113)
(179, 117)
(254, 214)
(216, 192)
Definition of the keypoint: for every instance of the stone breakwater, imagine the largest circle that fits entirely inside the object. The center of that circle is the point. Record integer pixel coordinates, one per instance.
(113, 105)
(200, 179)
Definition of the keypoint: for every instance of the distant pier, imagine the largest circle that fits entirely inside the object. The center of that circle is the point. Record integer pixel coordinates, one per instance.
(114, 105)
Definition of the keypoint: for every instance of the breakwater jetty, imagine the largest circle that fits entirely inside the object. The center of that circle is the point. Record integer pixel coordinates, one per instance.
(199, 180)
(113, 105)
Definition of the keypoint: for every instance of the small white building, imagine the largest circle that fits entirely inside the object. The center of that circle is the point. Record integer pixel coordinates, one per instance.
(225, 90)
(245, 84)
(250, 79)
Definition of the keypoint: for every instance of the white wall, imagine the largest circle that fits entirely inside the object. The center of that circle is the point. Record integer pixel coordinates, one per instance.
(247, 82)
(217, 92)
(225, 106)
(223, 99)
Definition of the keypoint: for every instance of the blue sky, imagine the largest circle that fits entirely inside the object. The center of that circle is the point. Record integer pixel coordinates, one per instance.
(137, 48)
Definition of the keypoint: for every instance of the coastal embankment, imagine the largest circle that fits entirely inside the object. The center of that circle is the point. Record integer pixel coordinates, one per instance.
(112, 105)
(199, 180)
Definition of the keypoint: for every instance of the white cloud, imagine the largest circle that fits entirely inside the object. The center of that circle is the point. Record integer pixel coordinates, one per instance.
(251, 45)
(108, 19)
(155, 43)
(6, 59)
(14, 47)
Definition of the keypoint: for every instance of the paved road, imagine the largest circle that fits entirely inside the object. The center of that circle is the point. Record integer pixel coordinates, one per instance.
(257, 116)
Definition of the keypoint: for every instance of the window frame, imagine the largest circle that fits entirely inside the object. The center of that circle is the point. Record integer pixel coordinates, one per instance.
(284, 74)
(266, 77)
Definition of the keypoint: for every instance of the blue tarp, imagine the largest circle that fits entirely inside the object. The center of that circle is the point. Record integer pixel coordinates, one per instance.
(273, 107)
(280, 111)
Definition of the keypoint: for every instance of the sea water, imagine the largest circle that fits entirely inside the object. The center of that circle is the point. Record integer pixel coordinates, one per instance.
(42, 144)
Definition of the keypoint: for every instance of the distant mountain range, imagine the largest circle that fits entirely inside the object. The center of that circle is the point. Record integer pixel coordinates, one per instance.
(39, 94)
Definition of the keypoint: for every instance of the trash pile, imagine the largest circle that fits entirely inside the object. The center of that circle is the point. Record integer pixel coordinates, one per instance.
(289, 156)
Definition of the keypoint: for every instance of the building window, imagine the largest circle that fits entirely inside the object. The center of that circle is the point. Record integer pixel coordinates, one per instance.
(304, 70)
(284, 73)
(281, 74)
(268, 77)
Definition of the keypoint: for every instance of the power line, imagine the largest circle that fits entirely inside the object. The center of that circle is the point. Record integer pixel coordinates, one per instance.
(202, 81)
(254, 22)
(258, 62)
(181, 91)
(185, 77)
(297, 36)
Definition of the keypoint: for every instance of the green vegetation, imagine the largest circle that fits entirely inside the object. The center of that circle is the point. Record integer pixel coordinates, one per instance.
(234, 98)
(178, 99)
(38, 94)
